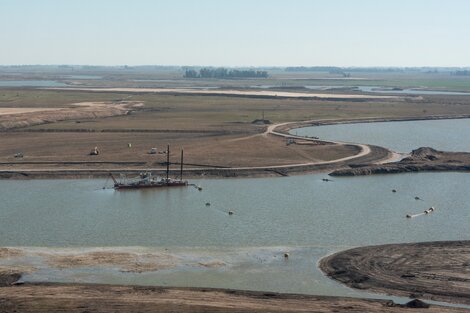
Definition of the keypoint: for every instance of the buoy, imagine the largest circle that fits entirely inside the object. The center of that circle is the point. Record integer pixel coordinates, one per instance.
(286, 255)
(230, 212)
(394, 190)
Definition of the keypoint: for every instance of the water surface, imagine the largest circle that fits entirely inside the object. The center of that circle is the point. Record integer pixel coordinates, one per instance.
(83, 77)
(302, 215)
(446, 135)
(31, 83)
(410, 91)
(375, 89)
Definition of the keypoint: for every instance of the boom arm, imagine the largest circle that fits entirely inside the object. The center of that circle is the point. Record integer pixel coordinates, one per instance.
(114, 179)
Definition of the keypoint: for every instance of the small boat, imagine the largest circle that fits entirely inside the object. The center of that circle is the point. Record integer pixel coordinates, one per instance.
(147, 180)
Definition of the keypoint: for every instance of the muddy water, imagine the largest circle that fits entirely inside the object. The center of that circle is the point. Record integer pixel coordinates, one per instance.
(302, 215)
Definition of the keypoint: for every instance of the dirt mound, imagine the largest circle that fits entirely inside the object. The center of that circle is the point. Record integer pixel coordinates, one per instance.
(417, 304)
(7, 279)
(425, 153)
(421, 159)
(87, 110)
(429, 270)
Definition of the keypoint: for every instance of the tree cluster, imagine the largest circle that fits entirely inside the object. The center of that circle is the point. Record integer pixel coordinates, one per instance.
(222, 72)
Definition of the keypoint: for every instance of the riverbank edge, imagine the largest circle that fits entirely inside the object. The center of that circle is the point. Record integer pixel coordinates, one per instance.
(337, 267)
(75, 297)
(377, 155)
(286, 127)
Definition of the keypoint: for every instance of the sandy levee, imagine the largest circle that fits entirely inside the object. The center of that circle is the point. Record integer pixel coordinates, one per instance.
(12, 118)
(429, 270)
(253, 93)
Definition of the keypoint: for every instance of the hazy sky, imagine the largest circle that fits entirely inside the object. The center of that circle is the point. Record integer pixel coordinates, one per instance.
(236, 32)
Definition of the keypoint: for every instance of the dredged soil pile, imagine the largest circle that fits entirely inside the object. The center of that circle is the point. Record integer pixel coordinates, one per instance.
(431, 270)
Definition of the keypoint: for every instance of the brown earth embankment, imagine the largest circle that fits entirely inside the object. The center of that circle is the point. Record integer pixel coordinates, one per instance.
(430, 270)
(56, 169)
(421, 159)
(42, 297)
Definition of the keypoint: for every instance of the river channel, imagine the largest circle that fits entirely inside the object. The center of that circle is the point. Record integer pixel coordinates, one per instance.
(445, 135)
(302, 215)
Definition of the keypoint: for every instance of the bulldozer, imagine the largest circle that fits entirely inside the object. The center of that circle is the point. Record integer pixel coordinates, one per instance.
(94, 151)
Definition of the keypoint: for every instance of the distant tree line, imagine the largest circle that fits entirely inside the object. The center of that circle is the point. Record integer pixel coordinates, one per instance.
(222, 72)
(461, 73)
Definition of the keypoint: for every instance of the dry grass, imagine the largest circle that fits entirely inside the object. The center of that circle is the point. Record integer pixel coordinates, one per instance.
(214, 130)
(206, 149)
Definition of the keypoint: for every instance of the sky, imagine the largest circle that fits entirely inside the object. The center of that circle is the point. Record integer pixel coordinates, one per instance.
(236, 32)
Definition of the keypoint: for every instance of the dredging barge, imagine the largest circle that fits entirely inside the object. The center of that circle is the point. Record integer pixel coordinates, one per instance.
(147, 180)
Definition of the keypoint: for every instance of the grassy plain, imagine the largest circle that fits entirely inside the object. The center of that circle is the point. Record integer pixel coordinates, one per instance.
(213, 129)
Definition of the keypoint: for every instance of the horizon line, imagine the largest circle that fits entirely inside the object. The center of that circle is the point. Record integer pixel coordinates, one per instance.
(241, 66)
